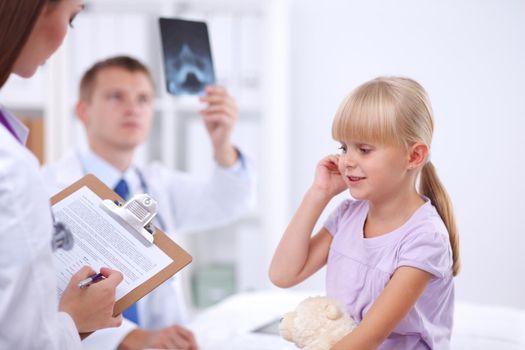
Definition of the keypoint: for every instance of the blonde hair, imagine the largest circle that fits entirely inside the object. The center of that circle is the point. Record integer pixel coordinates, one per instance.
(397, 111)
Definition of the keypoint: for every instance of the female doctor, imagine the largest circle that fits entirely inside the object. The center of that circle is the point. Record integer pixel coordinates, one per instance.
(31, 317)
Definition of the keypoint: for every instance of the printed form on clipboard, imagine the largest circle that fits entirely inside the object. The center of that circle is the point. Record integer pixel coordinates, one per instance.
(105, 235)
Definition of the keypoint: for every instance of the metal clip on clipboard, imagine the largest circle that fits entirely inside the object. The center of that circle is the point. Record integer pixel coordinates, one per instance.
(136, 214)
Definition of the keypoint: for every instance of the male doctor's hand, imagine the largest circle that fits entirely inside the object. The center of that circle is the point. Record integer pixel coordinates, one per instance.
(220, 116)
(174, 337)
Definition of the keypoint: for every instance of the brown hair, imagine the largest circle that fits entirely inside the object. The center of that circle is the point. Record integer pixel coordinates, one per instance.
(396, 110)
(130, 64)
(17, 19)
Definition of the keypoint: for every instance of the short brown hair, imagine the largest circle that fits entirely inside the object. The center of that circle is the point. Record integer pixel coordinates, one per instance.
(17, 20)
(130, 64)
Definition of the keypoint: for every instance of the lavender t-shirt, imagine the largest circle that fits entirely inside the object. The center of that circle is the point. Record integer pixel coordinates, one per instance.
(359, 268)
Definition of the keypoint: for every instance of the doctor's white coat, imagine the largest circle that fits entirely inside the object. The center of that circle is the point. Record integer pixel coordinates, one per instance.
(29, 317)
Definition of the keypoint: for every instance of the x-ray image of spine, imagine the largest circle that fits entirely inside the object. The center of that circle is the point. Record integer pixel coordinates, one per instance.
(188, 72)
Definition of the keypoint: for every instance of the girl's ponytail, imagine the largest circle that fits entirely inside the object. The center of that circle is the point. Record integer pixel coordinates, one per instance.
(430, 186)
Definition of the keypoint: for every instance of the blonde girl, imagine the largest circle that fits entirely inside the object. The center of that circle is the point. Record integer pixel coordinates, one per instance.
(392, 251)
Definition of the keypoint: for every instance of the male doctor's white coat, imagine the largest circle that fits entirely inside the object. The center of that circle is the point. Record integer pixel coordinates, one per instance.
(184, 204)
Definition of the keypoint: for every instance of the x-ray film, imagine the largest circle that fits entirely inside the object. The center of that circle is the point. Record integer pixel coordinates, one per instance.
(188, 64)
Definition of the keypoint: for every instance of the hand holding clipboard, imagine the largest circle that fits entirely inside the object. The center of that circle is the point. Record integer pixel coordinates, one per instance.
(102, 240)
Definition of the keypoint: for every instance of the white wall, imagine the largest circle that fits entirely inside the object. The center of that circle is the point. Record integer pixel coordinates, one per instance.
(469, 56)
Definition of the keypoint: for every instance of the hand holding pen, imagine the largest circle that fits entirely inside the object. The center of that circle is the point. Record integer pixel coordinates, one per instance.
(86, 282)
(92, 308)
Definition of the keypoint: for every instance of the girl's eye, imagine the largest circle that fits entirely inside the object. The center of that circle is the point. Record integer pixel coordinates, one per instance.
(365, 150)
(343, 149)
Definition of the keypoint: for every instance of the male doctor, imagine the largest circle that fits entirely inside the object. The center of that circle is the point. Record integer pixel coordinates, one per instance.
(116, 108)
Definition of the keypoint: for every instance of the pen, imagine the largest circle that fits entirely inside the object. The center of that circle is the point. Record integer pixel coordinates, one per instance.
(91, 279)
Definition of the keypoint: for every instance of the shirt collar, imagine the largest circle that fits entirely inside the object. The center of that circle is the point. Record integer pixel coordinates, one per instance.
(21, 131)
(106, 172)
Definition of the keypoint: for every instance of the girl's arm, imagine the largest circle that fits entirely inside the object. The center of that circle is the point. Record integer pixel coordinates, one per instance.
(298, 255)
(399, 296)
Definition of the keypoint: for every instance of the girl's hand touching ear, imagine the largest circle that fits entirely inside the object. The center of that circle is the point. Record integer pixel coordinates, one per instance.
(328, 179)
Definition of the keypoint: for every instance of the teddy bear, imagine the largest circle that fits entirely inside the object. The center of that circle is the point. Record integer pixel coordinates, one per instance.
(317, 323)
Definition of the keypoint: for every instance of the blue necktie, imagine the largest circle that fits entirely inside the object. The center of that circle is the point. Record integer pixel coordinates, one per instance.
(131, 313)
(122, 189)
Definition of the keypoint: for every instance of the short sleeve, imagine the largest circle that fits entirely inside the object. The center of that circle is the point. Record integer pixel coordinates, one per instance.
(332, 223)
(428, 251)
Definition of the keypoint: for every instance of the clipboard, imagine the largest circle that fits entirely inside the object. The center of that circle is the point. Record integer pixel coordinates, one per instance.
(179, 256)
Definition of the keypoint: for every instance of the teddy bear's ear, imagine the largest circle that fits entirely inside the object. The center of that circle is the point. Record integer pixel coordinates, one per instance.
(332, 312)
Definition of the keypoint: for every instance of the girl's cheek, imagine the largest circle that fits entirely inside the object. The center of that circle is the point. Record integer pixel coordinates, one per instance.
(340, 165)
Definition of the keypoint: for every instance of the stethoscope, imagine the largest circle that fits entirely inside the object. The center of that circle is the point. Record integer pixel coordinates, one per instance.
(62, 236)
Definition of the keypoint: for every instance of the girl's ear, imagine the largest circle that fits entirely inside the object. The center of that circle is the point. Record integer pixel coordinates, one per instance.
(417, 155)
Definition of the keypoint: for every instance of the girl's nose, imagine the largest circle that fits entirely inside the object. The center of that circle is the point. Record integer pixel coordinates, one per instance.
(348, 160)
